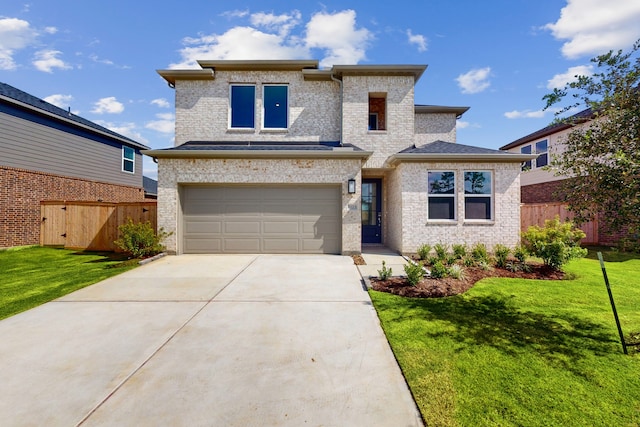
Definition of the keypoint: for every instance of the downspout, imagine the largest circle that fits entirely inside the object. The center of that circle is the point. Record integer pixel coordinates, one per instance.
(341, 105)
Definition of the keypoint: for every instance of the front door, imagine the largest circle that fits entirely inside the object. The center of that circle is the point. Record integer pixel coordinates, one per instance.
(371, 211)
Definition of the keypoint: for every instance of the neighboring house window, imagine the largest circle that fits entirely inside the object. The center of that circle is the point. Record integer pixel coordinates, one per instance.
(442, 195)
(526, 150)
(243, 101)
(542, 152)
(478, 195)
(377, 111)
(128, 159)
(275, 106)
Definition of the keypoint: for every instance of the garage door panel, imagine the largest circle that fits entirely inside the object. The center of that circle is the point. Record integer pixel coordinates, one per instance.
(262, 219)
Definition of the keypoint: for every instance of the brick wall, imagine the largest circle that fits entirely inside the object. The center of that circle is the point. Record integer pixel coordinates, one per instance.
(21, 192)
(541, 193)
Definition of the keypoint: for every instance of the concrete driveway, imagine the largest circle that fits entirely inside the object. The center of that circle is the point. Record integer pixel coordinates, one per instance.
(206, 340)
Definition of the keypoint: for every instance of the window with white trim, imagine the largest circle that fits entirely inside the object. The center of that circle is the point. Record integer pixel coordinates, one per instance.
(478, 195)
(526, 150)
(128, 159)
(242, 101)
(275, 106)
(542, 150)
(441, 195)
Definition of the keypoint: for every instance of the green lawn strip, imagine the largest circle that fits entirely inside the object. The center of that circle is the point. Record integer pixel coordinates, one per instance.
(32, 276)
(514, 352)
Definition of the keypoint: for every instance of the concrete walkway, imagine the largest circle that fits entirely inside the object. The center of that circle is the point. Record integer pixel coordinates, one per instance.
(203, 340)
(374, 255)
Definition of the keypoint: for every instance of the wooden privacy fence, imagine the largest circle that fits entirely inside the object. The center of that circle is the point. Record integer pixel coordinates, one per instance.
(537, 213)
(89, 225)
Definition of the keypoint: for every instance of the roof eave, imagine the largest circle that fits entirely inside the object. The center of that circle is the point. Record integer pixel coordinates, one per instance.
(252, 154)
(400, 69)
(172, 75)
(460, 157)
(458, 111)
(259, 65)
(72, 122)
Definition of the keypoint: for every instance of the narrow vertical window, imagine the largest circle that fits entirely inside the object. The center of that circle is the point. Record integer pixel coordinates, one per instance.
(377, 111)
(243, 99)
(478, 195)
(128, 159)
(526, 150)
(441, 195)
(275, 106)
(542, 152)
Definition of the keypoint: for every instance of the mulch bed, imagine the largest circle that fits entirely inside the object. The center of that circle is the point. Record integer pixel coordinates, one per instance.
(437, 288)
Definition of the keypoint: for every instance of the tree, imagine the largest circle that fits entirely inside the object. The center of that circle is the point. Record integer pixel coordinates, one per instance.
(602, 155)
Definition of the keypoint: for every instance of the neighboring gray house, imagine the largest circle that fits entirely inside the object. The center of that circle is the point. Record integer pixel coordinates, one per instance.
(282, 156)
(48, 153)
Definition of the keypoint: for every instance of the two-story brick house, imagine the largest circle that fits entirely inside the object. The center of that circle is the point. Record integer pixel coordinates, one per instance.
(282, 156)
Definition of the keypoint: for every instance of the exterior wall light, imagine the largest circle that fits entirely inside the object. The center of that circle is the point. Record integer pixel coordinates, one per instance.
(351, 186)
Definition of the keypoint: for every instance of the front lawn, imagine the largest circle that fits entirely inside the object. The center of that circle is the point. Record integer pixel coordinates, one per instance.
(32, 276)
(515, 352)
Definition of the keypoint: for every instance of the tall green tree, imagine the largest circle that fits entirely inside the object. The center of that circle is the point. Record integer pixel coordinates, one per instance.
(602, 155)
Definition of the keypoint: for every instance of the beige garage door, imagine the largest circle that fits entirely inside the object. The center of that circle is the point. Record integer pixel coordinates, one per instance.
(261, 219)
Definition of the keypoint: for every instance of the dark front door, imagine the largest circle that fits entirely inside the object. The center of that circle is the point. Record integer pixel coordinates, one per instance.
(371, 211)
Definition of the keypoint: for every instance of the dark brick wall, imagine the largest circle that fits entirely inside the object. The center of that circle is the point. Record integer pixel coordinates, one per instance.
(541, 193)
(21, 192)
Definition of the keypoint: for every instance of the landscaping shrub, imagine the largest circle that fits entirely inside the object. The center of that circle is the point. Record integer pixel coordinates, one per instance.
(468, 261)
(432, 260)
(414, 272)
(385, 272)
(520, 253)
(438, 270)
(441, 251)
(479, 253)
(556, 243)
(459, 250)
(139, 240)
(501, 252)
(456, 271)
(423, 251)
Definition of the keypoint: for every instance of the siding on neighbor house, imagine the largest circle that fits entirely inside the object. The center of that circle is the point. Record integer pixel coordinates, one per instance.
(408, 198)
(202, 108)
(174, 172)
(37, 143)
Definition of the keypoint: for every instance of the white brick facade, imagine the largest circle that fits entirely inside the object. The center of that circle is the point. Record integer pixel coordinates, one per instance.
(332, 106)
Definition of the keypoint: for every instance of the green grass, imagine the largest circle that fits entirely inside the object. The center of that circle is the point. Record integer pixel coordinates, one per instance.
(514, 352)
(34, 275)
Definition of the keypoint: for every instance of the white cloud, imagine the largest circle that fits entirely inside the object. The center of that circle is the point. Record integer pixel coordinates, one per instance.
(15, 34)
(337, 35)
(417, 39)
(108, 105)
(272, 37)
(594, 26)
(166, 124)
(47, 60)
(474, 81)
(560, 80)
(161, 102)
(461, 124)
(526, 114)
(50, 30)
(59, 100)
(235, 14)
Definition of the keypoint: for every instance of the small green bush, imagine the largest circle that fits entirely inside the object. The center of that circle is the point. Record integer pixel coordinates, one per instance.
(501, 252)
(385, 272)
(520, 253)
(459, 250)
(438, 270)
(456, 271)
(556, 243)
(140, 240)
(468, 261)
(432, 260)
(479, 253)
(414, 272)
(442, 250)
(423, 251)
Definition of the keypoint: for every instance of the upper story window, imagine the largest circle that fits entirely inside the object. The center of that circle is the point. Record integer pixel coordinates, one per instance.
(243, 101)
(377, 111)
(526, 150)
(128, 159)
(543, 154)
(275, 101)
(478, 195)
(441, 195)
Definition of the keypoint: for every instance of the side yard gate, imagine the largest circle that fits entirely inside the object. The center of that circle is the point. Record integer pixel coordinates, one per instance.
(537, 213)
(89, 225)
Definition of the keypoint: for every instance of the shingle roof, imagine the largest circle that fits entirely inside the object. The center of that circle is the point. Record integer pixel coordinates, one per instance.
(449, 151)
(8, 91)
(150, 186)
(551, 129)
(442, 147)
(261, 146)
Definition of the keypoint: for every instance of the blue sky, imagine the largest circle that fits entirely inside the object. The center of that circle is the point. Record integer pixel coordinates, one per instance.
(499, 57)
